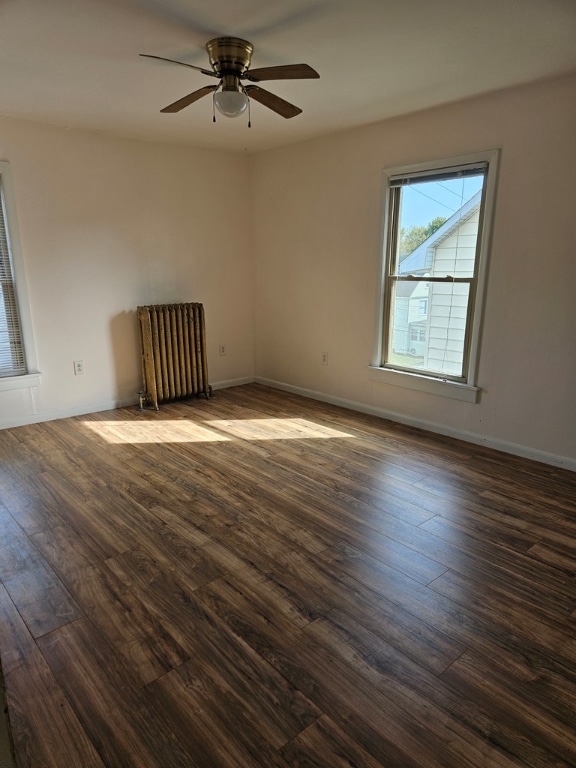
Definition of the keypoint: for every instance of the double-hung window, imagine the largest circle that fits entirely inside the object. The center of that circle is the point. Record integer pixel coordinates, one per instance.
(12, 360)
(17, 356)
(434, 267)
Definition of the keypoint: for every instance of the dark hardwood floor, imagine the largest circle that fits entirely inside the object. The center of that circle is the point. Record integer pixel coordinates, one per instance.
(260, 580)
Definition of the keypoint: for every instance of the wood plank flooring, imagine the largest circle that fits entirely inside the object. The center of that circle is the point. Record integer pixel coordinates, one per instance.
(262, 581)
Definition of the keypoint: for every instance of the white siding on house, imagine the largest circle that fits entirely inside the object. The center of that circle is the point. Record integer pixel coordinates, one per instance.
(456, 254)
(448, 304)
(448, 309)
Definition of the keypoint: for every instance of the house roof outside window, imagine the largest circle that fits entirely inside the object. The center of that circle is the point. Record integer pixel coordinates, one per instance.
(420, 260)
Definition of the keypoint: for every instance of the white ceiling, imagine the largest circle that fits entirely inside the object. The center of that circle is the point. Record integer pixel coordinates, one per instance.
(75, 62)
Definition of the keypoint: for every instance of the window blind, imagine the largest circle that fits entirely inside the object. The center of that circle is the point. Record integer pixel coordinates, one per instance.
(12, 360)
(439, 174)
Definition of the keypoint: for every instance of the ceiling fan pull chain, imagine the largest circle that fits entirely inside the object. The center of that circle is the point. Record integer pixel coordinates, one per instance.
(249, 118)
(213, 108)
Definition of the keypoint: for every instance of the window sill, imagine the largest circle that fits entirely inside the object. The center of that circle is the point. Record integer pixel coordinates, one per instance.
(452, 389)
(19, 382)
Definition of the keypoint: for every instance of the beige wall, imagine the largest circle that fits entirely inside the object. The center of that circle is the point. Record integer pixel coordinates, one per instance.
(107, 224)
(317, 248)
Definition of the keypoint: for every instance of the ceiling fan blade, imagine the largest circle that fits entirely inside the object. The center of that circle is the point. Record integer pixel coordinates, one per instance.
(182, 64)
(283, 72)
(185, 101)
(273, 102)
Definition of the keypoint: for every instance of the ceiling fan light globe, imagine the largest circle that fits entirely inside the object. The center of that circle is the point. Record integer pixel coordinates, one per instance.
(230, 103)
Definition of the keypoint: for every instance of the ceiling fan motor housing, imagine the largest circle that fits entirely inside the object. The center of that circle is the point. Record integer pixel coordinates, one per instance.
(229, 55)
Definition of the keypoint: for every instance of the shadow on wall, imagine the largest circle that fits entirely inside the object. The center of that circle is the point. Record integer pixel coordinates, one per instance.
(126, 352)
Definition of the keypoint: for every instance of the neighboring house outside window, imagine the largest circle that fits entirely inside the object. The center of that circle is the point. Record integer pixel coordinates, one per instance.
(432, 294)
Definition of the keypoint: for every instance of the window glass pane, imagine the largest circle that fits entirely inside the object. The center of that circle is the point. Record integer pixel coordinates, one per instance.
(408, 326)
(438, 227)
(428, 327)
(447, 328)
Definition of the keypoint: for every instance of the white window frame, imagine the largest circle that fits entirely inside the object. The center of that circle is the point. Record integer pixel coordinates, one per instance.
(32, 377)
(468, 389)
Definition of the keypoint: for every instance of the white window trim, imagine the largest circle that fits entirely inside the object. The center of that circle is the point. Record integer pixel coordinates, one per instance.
(470, 390)
(410, 380)
(25, 381)
(32, 378)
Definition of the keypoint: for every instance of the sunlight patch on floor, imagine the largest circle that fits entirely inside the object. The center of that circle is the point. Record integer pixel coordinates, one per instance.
(175, 431)
(184, 431)
(276, 429)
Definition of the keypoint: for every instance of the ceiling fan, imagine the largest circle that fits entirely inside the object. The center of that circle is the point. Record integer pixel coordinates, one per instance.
(230, 59)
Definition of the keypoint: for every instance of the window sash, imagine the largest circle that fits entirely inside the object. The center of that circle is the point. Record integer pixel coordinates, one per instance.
(390, 329)
(12, 357)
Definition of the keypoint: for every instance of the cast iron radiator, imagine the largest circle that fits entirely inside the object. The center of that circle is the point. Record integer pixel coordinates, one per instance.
(173, 347)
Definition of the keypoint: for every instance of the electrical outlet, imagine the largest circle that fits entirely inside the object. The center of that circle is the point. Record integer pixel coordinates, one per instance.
(222, 350)
(324, 358)
(78, 367)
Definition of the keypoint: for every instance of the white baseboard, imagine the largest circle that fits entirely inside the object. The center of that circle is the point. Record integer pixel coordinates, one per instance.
(108, 405)
(233, 383)
(565, 462)
(64, 413)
